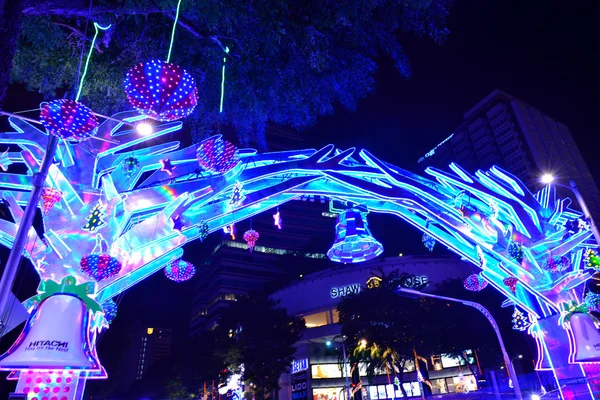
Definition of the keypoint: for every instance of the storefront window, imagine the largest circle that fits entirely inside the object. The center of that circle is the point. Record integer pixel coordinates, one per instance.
(464, 384)
(325, 371)
(326, 393)
(317, 319)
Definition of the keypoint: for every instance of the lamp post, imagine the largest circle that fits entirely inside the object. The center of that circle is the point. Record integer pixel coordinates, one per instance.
(549, 179)
(490, 318)
(328, 343)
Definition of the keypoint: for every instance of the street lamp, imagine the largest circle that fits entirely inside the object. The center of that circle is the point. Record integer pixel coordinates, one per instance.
(328, 344)
(549, 179)
(492, 321)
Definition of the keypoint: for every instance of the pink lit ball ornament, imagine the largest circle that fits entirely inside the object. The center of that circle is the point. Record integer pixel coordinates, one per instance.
(475, 283)
(69, 120)
(217, 155)
(511, 283)
(180, 271)
(251, 236)
(50, 197)
(100, 266)
(161, 91)
(557, 264)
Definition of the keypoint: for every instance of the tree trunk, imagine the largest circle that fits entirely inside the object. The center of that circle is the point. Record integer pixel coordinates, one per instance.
(11, 12)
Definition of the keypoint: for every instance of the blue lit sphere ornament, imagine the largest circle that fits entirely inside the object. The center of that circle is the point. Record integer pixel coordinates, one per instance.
(475, 283)
(592, 300)
(69, 120)
(203, 230)
(217, 155)
(130, 166)
(180, 271)
(110, 310)
(100, 266)
(428, 241)
(161, 91)
(515, 250)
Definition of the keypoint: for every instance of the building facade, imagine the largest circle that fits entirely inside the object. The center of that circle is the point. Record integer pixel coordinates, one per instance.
(316, 373)
(148, 346)
(505, 131)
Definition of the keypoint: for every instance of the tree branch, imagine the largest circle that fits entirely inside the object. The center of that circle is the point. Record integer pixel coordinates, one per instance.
(78, 8)
(80, 34)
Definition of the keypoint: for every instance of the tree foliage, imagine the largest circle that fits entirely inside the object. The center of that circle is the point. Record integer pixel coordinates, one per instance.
(256, 333)
(289, 61)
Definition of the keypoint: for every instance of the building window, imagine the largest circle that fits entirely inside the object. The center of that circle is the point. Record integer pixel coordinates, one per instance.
(317, 319)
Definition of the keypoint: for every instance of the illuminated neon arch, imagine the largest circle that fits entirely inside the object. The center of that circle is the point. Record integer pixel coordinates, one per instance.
(109, 207)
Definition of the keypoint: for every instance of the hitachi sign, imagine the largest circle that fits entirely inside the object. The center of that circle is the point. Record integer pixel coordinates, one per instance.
(344, 290)
(48, 344)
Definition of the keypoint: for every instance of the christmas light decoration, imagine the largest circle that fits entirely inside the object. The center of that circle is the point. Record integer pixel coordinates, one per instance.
(178, 223)
(557, 263)
(69, 120)
(4, 161)
(50, 197)
(237, 196)
(130, 166)
(591, 259)
(100, 266)
(160, 90)
(428, 241)
(217, 155)
(95, 218)
(277, 219)
(110, 310)
(180, 271)
(203, 230)
(475, 283)
(251, 236)
(511, 283)
(592, 300)
(353, 239)
(515, 250)
(166, 166)
(520, 320)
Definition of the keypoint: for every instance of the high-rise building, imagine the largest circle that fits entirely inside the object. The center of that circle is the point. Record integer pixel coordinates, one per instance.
(148, 347)
(505, 131)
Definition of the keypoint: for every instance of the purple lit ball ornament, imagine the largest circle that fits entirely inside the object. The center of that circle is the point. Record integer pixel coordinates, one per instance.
(100, 266)
(557, 264)
(180, 271)
(217, 155)
(475, 283)
(69, 120)
(160, 90)
(251, 236)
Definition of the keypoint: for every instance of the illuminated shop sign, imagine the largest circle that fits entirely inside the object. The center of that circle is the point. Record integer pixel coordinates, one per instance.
(336, 292)
(415, 282)
(299, 365)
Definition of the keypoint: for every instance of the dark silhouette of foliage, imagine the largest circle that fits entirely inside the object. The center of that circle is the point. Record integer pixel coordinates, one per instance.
(289, 61)
(256, 333)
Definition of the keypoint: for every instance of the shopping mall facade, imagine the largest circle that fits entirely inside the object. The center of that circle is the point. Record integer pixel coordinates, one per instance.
(316, 373)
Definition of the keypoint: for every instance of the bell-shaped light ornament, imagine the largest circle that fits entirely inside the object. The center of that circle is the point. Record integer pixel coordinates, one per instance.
(584, 338)
(55, 337)
(353, 240)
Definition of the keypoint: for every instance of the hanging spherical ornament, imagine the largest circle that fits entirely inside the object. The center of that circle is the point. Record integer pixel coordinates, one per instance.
(203, 230)
(100, 266)
(515, 250)
(50, 197)
(69, 120)
(217, 155)
(130, 166)
(180, 271)
(428, 241)
(591, 259)
(475, 283)
(251, 236)
(511, 283)
(110, 310)
(557, 264)
(592, 300)
(160, 90)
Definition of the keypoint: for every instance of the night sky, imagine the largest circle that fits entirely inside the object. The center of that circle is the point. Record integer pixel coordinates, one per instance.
(542, 52)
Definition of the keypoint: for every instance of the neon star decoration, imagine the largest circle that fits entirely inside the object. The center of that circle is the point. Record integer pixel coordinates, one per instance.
(178, 223)
(217, 155)
(180, 271)
(475, 283)
(161, 91)
(100, 266)
(69, 120)
(251, 237)
(166, 166)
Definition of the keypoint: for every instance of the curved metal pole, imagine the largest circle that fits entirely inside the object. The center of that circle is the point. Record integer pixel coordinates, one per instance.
(345, 364)
(492, 321)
